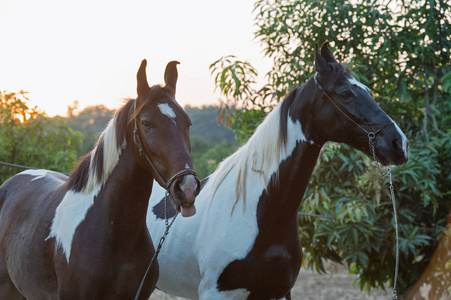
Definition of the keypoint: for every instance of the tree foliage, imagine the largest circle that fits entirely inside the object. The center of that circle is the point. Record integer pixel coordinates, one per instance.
(32, 139)
(207, 155)
(401, 50)
(244, 108)
(204, 124)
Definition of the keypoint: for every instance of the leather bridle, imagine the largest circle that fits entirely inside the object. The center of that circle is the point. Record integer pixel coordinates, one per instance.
(166, 184)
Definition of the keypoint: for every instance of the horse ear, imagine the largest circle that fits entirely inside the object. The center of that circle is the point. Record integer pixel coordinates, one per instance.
(143, 87)
(171, 75)
(320, 62)
(327, 54)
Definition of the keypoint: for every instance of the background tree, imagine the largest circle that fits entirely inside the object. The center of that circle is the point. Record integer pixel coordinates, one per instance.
(210, 142)
(32, 139)
(401, 50)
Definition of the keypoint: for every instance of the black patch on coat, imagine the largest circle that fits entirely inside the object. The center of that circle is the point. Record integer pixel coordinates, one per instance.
(158, 209)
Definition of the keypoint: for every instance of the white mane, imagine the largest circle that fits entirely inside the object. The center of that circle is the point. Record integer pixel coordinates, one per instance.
(260, 156)
(110, 157)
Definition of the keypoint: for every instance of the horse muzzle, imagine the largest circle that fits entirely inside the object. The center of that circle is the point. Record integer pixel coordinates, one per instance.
(183, 191)
(393, 152)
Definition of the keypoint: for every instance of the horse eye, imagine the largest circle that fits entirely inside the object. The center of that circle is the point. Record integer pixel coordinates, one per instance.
(146, 124)
(345, 94)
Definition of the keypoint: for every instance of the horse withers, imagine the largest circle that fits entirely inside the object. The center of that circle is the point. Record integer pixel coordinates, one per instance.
(85, 236)
(244, 242)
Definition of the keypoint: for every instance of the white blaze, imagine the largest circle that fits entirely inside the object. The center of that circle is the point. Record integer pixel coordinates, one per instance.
(167, 111)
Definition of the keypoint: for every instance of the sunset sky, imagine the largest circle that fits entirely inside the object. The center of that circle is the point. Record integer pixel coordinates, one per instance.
(90, 50)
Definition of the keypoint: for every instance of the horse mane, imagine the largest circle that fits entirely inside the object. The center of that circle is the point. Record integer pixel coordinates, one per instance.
(260, 155)
(95, 167)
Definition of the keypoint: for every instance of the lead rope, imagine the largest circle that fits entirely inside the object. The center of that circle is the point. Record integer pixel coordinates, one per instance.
(160, 244)
(371, 137)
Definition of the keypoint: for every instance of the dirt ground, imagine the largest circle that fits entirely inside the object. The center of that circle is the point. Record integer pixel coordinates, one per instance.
(337, 285)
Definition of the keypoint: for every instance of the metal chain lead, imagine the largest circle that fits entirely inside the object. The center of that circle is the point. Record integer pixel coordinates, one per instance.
(166, 220)
(371, 137)
(160, 244)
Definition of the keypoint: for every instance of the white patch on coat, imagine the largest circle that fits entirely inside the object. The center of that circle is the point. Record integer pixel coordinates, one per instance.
(214, 237)
(167, 111)
(355, 82)
(68, 216)
(38, 173)
(75, 205)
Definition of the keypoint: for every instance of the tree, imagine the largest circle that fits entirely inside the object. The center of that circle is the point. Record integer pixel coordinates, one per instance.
(32, 139)
(401, 50)
(207, 156)
(204, 123)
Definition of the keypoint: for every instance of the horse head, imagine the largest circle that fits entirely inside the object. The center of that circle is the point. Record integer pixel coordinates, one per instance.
(347, 113)
(158, 117)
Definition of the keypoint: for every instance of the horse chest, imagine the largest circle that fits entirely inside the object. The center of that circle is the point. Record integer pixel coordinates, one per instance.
(267, 272)
(270, 268)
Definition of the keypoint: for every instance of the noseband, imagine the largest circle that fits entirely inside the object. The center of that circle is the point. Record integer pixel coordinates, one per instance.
(371, 134)
(165, 184)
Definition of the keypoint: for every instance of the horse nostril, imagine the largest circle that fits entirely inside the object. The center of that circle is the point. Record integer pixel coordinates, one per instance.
(178, 190)
(397, 144)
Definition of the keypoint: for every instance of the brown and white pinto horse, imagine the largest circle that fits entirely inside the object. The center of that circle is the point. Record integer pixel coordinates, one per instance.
(85, 236)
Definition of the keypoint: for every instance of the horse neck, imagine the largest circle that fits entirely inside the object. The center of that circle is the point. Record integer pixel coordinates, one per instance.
(286, 187)
(284, 194)
(126, 195)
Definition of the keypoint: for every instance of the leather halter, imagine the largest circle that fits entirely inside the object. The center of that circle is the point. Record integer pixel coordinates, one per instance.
(159, 178)
(371, 134)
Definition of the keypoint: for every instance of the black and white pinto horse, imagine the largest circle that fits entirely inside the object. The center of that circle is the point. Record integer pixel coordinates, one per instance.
(244, 242)
(85, 236)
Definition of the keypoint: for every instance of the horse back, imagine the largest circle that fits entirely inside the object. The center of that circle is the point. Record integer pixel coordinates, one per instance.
(28, 194)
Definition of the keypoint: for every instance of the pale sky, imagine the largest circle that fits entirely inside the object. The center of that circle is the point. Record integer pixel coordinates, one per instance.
(90, 50)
